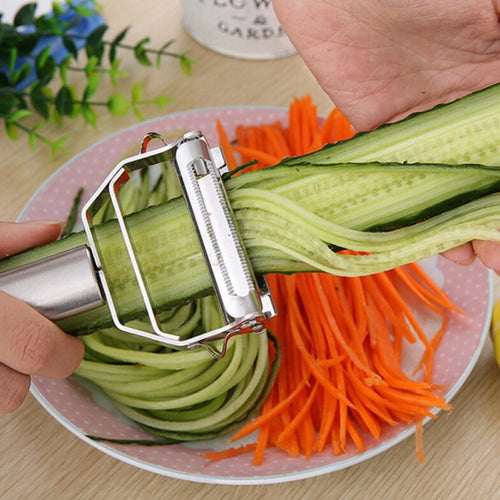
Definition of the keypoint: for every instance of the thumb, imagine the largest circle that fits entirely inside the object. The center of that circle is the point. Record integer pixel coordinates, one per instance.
(18, 236)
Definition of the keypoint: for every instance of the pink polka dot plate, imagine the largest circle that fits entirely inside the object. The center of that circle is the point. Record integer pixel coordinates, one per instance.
(84, 412)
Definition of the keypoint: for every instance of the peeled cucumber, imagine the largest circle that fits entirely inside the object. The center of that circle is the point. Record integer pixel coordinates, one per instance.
(296, 216)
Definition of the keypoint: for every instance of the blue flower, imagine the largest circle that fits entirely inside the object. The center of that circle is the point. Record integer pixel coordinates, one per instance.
(81, 29)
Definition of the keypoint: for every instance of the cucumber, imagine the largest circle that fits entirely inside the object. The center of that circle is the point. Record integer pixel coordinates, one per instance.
(464, 131)
(295, 216)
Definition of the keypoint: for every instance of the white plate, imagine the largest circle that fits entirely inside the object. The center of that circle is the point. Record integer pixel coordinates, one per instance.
(83, 413)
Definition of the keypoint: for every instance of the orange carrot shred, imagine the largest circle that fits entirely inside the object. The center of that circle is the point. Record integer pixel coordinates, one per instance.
(419, 439)
(229, 452)
(341, 339)
(226, 146)
(257, 154)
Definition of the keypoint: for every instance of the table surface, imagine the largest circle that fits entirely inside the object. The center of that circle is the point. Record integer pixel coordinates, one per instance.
(41, 459)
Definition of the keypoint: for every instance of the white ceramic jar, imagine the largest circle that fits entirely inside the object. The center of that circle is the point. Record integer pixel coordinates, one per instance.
(246, 29)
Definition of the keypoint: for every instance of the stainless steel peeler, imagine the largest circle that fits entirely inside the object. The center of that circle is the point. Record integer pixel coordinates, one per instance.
(78, 282)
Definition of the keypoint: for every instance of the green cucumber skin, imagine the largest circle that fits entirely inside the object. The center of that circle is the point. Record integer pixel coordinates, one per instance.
(464, 131)
(167, 241)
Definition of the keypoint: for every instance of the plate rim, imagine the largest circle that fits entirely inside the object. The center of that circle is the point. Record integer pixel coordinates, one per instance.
(238, 480)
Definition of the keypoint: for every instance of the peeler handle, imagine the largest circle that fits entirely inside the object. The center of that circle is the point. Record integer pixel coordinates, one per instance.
(58, 286)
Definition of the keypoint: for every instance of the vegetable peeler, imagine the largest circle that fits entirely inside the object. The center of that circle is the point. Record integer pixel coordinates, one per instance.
(78, 282)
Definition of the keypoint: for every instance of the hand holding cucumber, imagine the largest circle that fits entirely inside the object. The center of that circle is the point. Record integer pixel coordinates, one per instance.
(381, 61)
(30, 344)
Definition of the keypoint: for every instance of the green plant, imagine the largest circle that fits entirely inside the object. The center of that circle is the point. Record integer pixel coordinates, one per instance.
(41, 57)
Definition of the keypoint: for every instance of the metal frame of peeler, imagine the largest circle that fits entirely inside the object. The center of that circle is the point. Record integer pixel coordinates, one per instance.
(244, 301)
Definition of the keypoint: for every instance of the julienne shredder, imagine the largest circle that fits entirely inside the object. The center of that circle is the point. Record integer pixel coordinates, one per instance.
(244, 300)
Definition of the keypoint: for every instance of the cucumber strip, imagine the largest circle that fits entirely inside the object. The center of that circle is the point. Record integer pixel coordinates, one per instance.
(138, 382)
(464, 131)
(174, 361)
(167, 387)
(119, 372)
(228, 375)
(234, 409)
(191, 415)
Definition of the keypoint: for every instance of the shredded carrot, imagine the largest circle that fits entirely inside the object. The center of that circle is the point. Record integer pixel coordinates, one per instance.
(230, 452)
(340, 378)
(225, 144)
(419, 441)
(261, 156)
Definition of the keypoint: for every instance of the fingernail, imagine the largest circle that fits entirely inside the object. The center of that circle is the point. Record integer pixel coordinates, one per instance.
(465, 261)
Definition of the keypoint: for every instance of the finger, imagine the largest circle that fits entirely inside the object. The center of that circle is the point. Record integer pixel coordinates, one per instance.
(17, 236)
(463, 255)
(14, 387)
(489, 253)
(32, 344)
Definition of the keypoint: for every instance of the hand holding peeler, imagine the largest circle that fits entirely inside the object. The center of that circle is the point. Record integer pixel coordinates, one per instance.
(78, 282)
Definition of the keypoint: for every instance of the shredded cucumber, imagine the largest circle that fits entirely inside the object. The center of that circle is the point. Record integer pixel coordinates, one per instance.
(177, 395)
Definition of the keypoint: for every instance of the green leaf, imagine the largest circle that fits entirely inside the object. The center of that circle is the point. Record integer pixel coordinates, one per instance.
(140, 52)
(32, 140)
(57, 119)
(64, 101)
(25, 15)
(39, 102)
(114, 44)
(63, 69)
(12, 61)
(26, 43)
(17, 115)
(45, 66)
(162, 49)
(112, 54)
(22, 73)
(7, 102)
(119, 38)
(186, 64)
(46, 72)
(136, 94)
(161, 100)
(11, 131)
(89, 115)
(96, 51)
(95, 37)
(84, 11)
(70, 46)
(92, 86)
(115, 72)
(42, 56)
(48, 25)
(91, 65)
(76, 102)
(57, 146)
(57, 9)
(138, 113)
(118, 105)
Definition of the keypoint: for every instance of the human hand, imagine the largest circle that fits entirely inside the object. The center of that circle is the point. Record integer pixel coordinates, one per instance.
(30, 344)
(381, 61)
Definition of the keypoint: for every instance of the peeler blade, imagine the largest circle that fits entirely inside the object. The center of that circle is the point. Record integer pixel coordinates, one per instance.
(245, 303)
